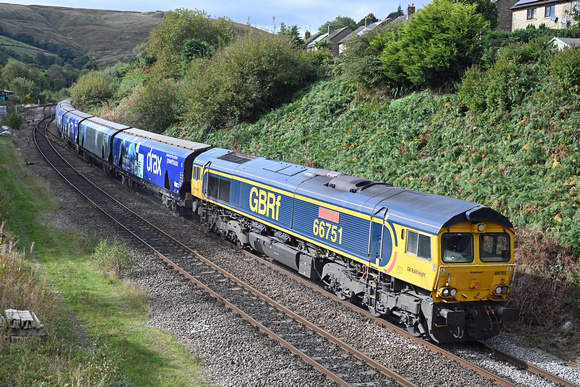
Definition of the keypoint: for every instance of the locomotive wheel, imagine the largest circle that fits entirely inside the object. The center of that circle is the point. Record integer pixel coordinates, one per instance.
(340, 295)
(414, 330)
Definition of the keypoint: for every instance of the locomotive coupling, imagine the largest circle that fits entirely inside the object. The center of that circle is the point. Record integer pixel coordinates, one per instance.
(453, 317)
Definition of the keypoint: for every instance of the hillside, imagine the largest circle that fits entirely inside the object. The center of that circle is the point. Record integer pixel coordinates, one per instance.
(20, 47)
(106, 36)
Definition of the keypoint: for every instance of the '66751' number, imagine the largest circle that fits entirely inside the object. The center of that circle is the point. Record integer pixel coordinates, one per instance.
(327, 230)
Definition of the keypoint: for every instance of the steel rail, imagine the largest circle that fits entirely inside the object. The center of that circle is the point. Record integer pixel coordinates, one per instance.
(528, 366)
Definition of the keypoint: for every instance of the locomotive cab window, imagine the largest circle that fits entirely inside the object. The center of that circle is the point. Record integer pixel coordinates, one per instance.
(457, 248)
(494, 247)
(196, 173)
(418, 245)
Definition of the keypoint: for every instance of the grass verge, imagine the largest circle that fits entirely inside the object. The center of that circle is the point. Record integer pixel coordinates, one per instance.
(95, 323)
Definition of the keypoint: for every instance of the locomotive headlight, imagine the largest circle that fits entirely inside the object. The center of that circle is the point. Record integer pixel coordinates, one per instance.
(481, 227)
(501, 289)
(447, 292)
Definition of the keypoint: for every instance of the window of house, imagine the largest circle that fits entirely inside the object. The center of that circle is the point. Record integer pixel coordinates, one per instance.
(531, 13)
(550, 10)
(419, 245)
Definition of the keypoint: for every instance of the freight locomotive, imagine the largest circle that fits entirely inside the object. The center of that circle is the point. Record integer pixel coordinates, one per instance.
(442, 267)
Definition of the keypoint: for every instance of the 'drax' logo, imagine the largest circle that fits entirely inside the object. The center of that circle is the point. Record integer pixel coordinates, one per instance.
(154, 163)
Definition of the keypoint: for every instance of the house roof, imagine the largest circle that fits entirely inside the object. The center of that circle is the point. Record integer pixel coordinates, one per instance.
(362, 29)
(312, 42)
(338, 32)
(400, 19)
(316, 38)
(567, 41)
(535, 3)
(311, 38)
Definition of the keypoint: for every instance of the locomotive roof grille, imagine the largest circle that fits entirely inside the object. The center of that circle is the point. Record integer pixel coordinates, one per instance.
(236, 157)
(349, 183)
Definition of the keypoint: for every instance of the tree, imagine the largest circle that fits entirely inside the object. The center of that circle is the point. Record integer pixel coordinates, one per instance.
(92, 89)
(435, 46)
(19, 70)
(339, 22)
(166, 41)
(291, 33)
(194, 48)
(361, 61)
(56, 75)
(154, 105)
(256, 73)
(487, 9)
(25, 89)
(396, 14)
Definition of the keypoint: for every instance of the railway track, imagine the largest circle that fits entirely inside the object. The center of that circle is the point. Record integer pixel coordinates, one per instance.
(289, 329)
(326, 353)
(481, 346)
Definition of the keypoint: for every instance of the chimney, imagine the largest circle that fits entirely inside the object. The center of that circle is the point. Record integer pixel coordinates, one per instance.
(307, 35)
(410, 10)
(330, 29)
(367, 21)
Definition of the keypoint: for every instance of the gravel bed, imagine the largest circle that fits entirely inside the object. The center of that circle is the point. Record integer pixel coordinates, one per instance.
(234, 352)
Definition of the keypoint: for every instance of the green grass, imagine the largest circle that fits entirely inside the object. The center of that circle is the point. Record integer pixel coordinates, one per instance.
(97, 333)
(21, 48)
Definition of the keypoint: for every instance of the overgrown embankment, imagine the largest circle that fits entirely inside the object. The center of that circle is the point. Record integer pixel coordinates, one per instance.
(523, 163)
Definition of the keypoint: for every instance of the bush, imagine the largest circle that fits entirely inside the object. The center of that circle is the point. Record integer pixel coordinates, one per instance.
(153, 107)
(565, 68)
(24, 89)
(167, 40)
(113, 256)
(516, 73)
(20, 286)
(255, 74)
(361, 60)
(435, 46)
(13, 119)
(92, 89)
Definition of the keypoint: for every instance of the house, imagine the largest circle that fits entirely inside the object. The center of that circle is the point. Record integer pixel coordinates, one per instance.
(553, 14)
(308, 38)
(359, 31)
(405, 18)
(504, 18)
(332, 36)
(369, 26)
(562, 43)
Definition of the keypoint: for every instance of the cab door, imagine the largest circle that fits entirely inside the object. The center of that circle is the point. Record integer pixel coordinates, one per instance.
(196, 174)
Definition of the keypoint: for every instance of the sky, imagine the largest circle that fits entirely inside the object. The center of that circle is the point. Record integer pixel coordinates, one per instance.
(264, 14)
